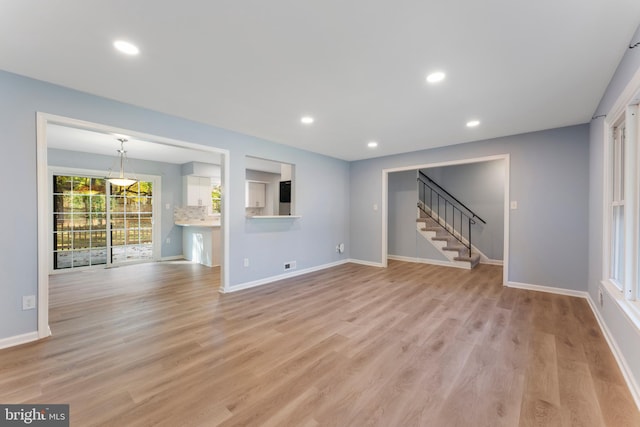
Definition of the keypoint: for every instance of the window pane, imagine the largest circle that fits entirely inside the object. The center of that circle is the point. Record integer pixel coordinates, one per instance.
(81, 185)
(117, 221)
(146, 221)
(62, 203)
(146, 235)
(98, 221)
(62, 241)
(117, 237)
(61, 260)
(139, 252)
(81, 240)
(98, 256)
(61, 222)
(146, 188)
(81, 221)
(617, 245)
(81, 258)
(132, 204)
(62, 184)
(81, 203)
(133, 236)
(133, 221)
(98, 239)
(98, 203)
(117, 204)
(98, 186)
(146, 204)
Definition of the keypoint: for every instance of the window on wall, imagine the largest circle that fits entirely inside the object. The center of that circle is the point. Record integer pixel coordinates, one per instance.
(96, 223)
(622, 215)
(216, 197)
(617, 261)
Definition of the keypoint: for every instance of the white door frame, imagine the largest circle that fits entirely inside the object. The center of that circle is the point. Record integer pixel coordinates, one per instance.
(385, 202)
(42, 121)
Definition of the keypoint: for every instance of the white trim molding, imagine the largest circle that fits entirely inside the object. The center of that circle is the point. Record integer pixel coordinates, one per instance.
(271, 279)
(20, 339)
(427, 261)
(622, 362)
(548, 289)
(367, 263)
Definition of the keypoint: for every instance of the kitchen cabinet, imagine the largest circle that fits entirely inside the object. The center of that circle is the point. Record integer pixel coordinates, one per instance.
(255, 194)
(197, 191)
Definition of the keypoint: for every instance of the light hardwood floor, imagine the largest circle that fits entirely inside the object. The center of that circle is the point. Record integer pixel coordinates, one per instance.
(409, 345)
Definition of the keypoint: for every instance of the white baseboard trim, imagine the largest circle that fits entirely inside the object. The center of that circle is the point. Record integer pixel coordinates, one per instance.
(172, 258)
(622, 362)
(427, 261)
(271, 279)
(19, 339)
(367, 263)
(492, 261)
(548, 289)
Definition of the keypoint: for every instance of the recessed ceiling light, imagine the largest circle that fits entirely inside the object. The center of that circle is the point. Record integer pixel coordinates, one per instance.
(307, 120)
(473, 123)
(126, 47)
(436, 77)
(372, 144)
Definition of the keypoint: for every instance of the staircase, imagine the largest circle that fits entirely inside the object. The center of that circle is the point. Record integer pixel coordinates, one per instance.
(447, 244)
(447, 223)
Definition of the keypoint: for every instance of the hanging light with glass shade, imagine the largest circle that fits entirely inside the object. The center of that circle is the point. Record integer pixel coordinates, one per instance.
(121, 179)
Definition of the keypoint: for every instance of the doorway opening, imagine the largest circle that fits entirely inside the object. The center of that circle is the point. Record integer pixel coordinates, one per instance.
(503, 161)
(85, 222)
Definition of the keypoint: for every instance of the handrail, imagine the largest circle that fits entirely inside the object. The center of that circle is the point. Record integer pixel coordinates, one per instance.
(450, 195)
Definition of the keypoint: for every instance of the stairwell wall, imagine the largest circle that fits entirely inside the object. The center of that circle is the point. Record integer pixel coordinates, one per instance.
(480, 186)
(404, 239)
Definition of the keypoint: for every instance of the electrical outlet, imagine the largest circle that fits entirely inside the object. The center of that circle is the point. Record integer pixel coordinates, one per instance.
(246, 262)
(600, 297)
(28, 302)
(514, 205)
(168, 240)
(291, 265)
(340, 248)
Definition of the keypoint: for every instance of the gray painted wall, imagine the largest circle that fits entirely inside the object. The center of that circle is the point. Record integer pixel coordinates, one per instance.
(548, 178)
(480, 186)
(404, 240)
(171, 186)
(322, 191)
(624, 333)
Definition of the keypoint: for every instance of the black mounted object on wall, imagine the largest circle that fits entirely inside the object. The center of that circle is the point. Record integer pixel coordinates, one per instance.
(285, 191)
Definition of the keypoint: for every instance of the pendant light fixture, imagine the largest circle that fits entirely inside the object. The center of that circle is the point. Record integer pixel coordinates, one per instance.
(121, 179)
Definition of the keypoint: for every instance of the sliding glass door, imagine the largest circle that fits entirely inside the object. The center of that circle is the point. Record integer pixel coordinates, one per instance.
(96, 223)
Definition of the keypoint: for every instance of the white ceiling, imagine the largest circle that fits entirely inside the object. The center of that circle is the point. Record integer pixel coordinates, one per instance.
(357, 66)
(73, 139)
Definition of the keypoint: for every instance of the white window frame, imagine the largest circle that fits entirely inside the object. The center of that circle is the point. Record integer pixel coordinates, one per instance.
(156, 213)
(624, 113)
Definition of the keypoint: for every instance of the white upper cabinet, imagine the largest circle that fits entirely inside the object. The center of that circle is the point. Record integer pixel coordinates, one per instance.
(198, 191)
(255, 194)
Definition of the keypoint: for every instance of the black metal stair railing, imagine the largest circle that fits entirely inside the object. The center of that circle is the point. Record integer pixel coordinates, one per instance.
(449, 212)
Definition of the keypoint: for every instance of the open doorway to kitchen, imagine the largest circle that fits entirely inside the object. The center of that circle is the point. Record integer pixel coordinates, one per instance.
(88, 221)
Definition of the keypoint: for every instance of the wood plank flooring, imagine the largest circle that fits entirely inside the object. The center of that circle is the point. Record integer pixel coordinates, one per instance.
(410, 345)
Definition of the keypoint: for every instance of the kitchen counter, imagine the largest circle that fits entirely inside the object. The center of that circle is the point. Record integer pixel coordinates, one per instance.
(199, 224)
(201, 242)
